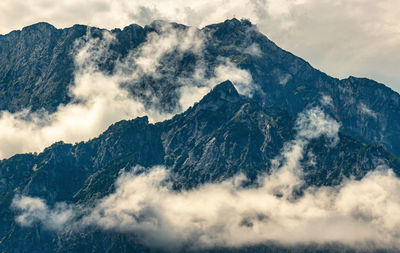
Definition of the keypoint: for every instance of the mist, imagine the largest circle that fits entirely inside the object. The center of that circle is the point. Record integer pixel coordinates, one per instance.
(100, 99)
(363, 214)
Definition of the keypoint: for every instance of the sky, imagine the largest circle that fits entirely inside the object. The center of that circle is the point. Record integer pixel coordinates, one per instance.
(341, 37)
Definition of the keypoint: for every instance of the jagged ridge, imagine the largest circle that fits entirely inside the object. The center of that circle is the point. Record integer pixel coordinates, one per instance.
(215, 139)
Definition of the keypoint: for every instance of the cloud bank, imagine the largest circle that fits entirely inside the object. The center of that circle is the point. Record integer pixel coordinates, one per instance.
(100, 99)
(343, 37)
(34, 209)
(360, 214)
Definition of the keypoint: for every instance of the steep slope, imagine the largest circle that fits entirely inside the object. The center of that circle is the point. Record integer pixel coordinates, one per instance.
(220, 136)
(37, 63)
(36, 69)
(365, 108)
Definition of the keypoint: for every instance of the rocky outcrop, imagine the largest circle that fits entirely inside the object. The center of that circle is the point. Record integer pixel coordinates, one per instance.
(222, 135)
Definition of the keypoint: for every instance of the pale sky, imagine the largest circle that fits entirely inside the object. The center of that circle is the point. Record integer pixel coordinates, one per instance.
(341, 37)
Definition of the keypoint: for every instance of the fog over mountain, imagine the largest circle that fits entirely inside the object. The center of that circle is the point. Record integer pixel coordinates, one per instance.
(173, 138)
(230, 215)
(100, 99)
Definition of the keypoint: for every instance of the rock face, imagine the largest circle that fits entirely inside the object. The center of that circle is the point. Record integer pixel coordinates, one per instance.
(222, 135)
(36, 68)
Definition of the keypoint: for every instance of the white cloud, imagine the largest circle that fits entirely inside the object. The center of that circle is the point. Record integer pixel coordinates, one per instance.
(360, 214)
(102, 103)
(99, 99)
(326, 101)
(357, 213)
(253, 50)
(363, 109)
(314, 122)
(241, 78)
(35, 209)
(283, 79)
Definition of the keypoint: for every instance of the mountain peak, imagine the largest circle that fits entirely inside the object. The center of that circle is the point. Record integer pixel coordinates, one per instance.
(235, 22)
(231, 24)
(39, 26)
(157, 25)
(223, 91)
(233, 32)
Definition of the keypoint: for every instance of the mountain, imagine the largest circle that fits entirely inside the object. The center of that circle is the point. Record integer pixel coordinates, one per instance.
(221, 136)
(37, 66)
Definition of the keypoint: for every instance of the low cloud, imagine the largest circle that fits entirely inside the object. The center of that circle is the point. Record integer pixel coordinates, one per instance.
(100, 99)
(327, 101)
(360, 214)
(253, 50)
(356, 213)
(35, 209)
(363, 109)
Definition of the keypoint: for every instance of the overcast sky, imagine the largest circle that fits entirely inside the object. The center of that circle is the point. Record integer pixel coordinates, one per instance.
(339, 37)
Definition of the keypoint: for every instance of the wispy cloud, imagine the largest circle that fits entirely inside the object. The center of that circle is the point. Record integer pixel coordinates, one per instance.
(35, 209)
(360, 214)
(100, 99)
(363, 109)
